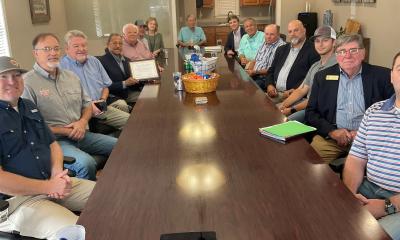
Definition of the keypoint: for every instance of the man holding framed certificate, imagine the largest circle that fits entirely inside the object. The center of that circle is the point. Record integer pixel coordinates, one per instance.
(143, 65)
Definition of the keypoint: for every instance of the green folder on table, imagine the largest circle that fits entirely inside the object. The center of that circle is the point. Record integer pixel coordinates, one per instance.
(284, 131)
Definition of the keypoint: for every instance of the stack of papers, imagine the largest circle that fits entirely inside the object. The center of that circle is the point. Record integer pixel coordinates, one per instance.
(284, 131)
(213, 48)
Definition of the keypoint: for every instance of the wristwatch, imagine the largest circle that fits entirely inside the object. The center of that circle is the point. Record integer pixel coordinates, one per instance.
(389, 207)
(293, 110)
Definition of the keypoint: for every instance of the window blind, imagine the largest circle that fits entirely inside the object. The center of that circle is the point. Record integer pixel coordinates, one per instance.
(4, 46)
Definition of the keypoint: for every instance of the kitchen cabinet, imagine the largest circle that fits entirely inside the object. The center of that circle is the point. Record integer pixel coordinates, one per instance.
(265, 2)
(210, 35)
(254, 2)
(208, 3)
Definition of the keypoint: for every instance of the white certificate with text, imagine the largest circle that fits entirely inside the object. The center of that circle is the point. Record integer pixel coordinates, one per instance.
(144, 70)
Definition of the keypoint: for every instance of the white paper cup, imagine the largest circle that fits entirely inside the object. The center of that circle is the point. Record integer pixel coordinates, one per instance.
(73, 232)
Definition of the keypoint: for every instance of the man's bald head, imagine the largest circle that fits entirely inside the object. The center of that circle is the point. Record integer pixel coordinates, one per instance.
(296, 32)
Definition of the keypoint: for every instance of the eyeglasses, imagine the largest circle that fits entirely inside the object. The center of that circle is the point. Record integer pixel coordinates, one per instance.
(49, 49)
(351, 51)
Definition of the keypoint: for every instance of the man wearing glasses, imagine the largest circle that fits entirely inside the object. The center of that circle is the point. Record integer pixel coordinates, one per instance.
(341, 94)
(65, 107)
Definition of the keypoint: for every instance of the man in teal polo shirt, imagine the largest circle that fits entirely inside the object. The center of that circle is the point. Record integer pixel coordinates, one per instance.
(191, 34)
(250, 42)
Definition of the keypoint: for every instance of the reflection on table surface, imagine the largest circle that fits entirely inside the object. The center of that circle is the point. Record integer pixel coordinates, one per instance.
(181, 167)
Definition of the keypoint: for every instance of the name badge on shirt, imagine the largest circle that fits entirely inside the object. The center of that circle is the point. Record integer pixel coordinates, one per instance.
(34, 110)
(332, 77)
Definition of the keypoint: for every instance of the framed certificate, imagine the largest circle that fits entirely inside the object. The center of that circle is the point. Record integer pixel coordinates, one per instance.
(145, 70)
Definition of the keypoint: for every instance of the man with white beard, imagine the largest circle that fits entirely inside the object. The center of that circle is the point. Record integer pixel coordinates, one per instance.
(65, 107)
(291, 63)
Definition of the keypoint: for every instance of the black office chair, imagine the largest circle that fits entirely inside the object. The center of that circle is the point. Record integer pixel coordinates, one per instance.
(14, 236)
(337, 165)
(69, 160)
(283, 36)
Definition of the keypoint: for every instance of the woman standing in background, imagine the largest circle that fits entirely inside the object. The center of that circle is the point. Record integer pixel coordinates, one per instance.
(154, 38)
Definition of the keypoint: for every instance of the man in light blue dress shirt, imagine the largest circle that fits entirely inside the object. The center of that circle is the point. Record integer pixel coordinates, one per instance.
(94, 79)
(191, 35)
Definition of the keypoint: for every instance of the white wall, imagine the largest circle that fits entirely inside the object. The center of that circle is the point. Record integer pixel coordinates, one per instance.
(379, 22)
(21, 31)
(287, 10)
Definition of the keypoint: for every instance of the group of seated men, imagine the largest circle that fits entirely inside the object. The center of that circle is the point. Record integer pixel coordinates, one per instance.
(325, 83)
(322, 82)
(45, 114)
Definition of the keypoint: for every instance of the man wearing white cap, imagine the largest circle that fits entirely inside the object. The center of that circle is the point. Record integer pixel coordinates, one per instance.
(40, 194)
(142, 31)
(324, 39)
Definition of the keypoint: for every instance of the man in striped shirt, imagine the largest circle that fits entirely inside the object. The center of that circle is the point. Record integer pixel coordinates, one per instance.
(376, 149)
(258, 68)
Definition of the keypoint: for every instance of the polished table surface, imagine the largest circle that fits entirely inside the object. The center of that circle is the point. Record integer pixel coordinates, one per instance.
(181, 167)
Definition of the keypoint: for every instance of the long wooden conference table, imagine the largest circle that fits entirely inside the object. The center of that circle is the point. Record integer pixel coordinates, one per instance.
(182, 167)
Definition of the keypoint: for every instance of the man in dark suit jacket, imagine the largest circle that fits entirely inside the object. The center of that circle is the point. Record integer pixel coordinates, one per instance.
(291, 63)
(341, 94)
(238, 31)
(123, 86)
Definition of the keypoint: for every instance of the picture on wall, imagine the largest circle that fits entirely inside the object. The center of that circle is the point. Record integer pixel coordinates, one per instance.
(40, 11)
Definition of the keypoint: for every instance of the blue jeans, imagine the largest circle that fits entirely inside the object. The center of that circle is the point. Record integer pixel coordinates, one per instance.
(261, 81)
(92, 143)
(391, 223)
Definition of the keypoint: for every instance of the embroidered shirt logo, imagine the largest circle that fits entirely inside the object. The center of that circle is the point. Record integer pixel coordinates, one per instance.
(44, 92)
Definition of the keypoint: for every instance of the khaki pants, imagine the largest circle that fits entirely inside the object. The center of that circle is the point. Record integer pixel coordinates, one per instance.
(121, 105)
(41, 217)
(132, 96)
(114, 117)
(328, 148)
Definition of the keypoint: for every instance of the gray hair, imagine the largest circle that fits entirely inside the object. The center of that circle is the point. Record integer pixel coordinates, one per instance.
(74, 33)
(348, 38)
(251, 20)
(190, 15)
(129, 25)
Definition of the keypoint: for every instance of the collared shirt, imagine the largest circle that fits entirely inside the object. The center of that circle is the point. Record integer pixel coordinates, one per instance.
(350, 101)
(378, 141)
(237, 36)
(187, 34)
(138, 51)
(287, 66)
(266, 53)
(250, 45)
(120, 61)
(60, 101)
(91, 73)
(316, 67)
(145, 41)
(25, 141)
